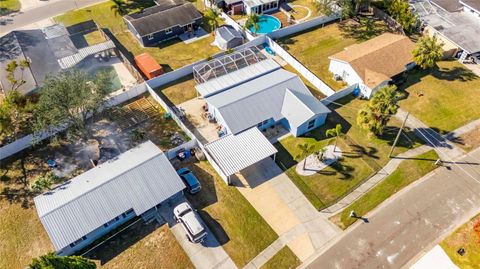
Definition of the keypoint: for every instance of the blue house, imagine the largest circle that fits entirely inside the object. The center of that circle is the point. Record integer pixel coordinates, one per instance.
(167, 20)
(90, 205)
(261, 94)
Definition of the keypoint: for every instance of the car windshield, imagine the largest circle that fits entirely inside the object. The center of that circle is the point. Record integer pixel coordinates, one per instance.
(191, 180)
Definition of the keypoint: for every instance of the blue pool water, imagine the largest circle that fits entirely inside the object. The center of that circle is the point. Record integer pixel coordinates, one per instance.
(267, 24)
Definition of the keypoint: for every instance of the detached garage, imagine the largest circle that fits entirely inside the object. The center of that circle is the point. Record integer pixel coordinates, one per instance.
(226, 37)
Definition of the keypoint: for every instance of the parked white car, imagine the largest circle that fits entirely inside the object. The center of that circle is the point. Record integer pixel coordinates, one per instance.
(190, 221)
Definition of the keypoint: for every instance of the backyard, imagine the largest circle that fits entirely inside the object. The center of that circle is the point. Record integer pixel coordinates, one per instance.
(115, 135)
(180, 90)
(363, 154)
(441, 97)
(468, 238)
(407, 172)
(239, 228)
(172, 54)
(313, 47)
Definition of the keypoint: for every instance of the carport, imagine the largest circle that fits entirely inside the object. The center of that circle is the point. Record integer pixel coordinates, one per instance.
(234, 153)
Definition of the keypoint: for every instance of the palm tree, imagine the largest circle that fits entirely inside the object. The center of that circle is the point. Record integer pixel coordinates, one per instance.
(212, 17)
(119, 9)
(252, 22)
(51, 260)
(427, 52)
(305, 148)
(335, 132)
(376, 114)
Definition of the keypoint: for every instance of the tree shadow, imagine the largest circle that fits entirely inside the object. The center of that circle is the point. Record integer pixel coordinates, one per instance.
(454, 74)
(208, 195)
(343, 169)
(113, 247)
(362, 28)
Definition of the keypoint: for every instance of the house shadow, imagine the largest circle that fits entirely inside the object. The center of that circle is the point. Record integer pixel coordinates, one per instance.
(116, 245)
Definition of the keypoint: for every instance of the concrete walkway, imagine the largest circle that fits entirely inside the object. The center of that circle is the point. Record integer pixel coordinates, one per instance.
(462, 130)
(207, 255)
(283, 206)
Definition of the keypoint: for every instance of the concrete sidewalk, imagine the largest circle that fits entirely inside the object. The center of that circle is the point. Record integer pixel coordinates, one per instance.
(284, 207)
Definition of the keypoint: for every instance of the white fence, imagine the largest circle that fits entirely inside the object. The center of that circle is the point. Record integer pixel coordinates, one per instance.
(307, 74)
(26, 141)
(172, 153)
(295, 28)
(340, 94)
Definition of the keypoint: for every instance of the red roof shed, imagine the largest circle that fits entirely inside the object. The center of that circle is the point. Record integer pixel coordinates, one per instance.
(149, 66)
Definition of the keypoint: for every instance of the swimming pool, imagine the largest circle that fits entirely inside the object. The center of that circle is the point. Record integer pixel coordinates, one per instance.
(267, 24)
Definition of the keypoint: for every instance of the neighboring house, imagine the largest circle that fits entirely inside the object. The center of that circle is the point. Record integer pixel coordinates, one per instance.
(455, 23)
(167, 20)
(226, 37)
(261, 94)
(233, 7)
(90, 205)
(374, 63)
(48, 50)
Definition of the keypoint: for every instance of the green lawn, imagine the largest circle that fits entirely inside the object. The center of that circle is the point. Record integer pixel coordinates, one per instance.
(309, 85)
(94, 37)
(444, 97)
(313, 47)
(363, 154)
(284, 259)
(9, 6)
(241, 231)
(407, 172)
(171, 54)
(468, 238)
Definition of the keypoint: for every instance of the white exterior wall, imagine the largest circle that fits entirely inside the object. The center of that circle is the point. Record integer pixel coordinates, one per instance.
(471, 11)
(338, 68)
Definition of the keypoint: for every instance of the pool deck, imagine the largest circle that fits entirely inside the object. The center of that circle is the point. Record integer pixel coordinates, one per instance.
(282, 17)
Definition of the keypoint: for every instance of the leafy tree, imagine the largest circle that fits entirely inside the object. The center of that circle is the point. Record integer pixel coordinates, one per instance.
(427, 52)
(328, 7)
(400, 10)
(253, 22)
(45, 182)
(15, 114)
(11, 69)
(305, 149)
(335, 132)
(212, 17)
(376, 114)
(52, 261)
(71, 98)
(120, 8)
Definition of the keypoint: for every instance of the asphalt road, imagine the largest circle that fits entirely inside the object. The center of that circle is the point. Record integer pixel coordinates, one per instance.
(20, 19)
(410, 222)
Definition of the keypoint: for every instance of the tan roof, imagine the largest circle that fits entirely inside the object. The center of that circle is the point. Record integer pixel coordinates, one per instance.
(378, 59)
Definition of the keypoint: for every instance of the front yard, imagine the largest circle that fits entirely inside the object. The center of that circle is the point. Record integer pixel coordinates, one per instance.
(407, 172)
(468, 238)
(363, 154)
(241, 231)
(313, 47)
(284, 259)
(172, 54)
(444, 97)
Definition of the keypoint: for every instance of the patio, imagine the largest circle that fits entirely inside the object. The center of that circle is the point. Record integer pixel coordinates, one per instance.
(196, 115)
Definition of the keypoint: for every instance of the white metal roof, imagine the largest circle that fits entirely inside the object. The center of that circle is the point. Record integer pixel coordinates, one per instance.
(236, 152)
(254, 3)
(137, 179)
(234, 78)
(265, 97)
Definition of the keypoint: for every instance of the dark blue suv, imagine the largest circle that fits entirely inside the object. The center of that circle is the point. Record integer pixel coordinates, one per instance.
(193, 185)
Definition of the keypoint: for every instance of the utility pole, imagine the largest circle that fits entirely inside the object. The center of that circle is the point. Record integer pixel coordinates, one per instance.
(398, 135)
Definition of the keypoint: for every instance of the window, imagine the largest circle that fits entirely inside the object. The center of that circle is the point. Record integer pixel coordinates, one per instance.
(311, 124)
(168, 31)
(126, 213)
(150, 37)
(111, 222)
(78, 241)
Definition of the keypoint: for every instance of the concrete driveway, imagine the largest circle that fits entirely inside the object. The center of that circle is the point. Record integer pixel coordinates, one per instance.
(285, 208)
(206, 255)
